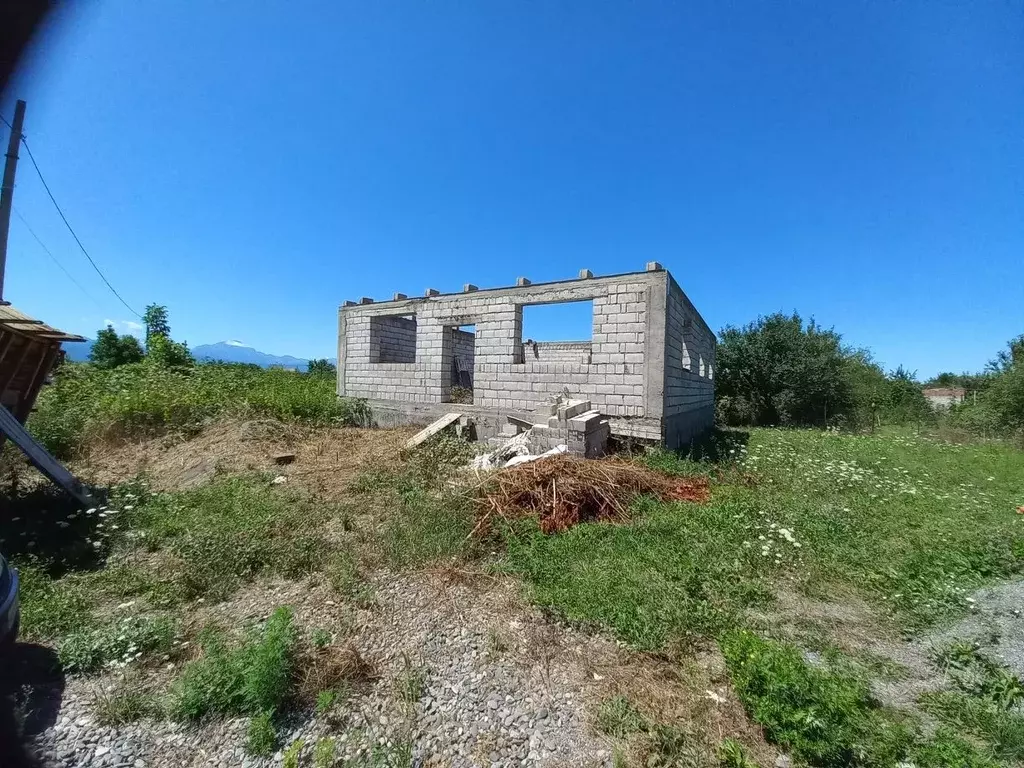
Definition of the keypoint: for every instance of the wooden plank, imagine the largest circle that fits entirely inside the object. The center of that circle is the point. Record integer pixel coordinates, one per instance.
(433, 429)
(41, 458)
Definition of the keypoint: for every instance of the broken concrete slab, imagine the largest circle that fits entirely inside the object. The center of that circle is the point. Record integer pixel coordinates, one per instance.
(425, 434)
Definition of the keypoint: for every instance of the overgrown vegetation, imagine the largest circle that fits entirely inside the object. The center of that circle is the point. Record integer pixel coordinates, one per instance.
(230, 531)
(203, 543)
(425, 519)
(87, 403)
(911, 525)
(251, 678)
(780, 371)
(116, 643)
(827, 717)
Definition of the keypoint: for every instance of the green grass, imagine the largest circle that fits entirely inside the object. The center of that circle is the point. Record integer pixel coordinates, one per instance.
(139, 399)
(251, 678)
(1001, 731)
(618, 717)
(823, 717)
(827, 717)
(424, 520)
(986, 700)
(229, 532)
(125, 704)
(910, 524)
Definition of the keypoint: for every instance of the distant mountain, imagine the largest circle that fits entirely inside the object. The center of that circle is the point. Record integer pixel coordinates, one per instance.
(237, 352)
(78, 351)
(223, 351)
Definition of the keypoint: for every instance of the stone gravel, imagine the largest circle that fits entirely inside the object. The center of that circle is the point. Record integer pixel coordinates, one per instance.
(502, 686)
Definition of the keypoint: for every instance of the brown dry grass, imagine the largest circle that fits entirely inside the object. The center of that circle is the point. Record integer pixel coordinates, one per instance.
(332, 668)
(692, 693)
(326, 458)
(563, 491)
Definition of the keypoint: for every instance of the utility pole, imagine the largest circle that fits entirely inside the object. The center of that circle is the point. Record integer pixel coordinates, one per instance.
(7, 192)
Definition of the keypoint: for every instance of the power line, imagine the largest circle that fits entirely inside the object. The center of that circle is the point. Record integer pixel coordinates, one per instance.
(72, 231)
(54, 258)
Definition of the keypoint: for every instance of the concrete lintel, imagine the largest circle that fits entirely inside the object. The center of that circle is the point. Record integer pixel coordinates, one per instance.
(573, 408)
(653, 266)
(398, 296)
(586, 274)
(522, 281)
(586, 422)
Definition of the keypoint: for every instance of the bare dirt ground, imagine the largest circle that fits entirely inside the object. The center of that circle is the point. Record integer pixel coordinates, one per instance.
(326, 458)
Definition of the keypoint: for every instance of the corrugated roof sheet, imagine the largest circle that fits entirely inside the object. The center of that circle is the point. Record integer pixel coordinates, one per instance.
(12, 319)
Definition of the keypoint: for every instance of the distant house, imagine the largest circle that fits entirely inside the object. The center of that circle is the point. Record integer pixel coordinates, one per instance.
(943, 397)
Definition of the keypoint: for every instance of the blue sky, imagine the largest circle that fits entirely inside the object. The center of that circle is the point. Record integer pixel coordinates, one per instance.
(252, 165)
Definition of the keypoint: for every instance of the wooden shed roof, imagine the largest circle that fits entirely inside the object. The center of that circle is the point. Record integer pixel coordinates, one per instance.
(12, 319)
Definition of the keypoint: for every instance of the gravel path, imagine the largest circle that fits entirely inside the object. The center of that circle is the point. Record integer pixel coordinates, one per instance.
(501, 685)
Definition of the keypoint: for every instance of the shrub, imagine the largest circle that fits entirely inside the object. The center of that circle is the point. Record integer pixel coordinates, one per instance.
(779, 371)
(253, 678)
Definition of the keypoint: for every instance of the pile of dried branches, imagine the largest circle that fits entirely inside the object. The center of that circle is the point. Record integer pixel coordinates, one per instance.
(562, 491)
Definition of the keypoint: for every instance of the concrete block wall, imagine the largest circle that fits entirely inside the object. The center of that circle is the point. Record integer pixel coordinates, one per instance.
(393, 339)
(689, 370)
(627, 375)
(556, 351)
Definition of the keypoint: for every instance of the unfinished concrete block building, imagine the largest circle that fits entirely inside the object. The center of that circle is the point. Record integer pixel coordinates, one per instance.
(648, 366)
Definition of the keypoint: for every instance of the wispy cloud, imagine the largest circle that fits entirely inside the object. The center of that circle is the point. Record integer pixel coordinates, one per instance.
(125, 326)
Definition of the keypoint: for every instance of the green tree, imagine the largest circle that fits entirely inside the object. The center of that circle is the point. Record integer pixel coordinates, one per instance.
(155, 320)
(904, 401)
(110, 350)
(778, 370)
(322, 367)
(168, 354)
(1006, 359)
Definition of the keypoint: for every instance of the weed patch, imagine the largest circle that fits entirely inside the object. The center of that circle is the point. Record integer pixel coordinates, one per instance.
(253, 678)
(618, 718)
(230, 531)
(327, 672)
(824, 718)
(115, 644)
(261, 736)
(125, 704)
